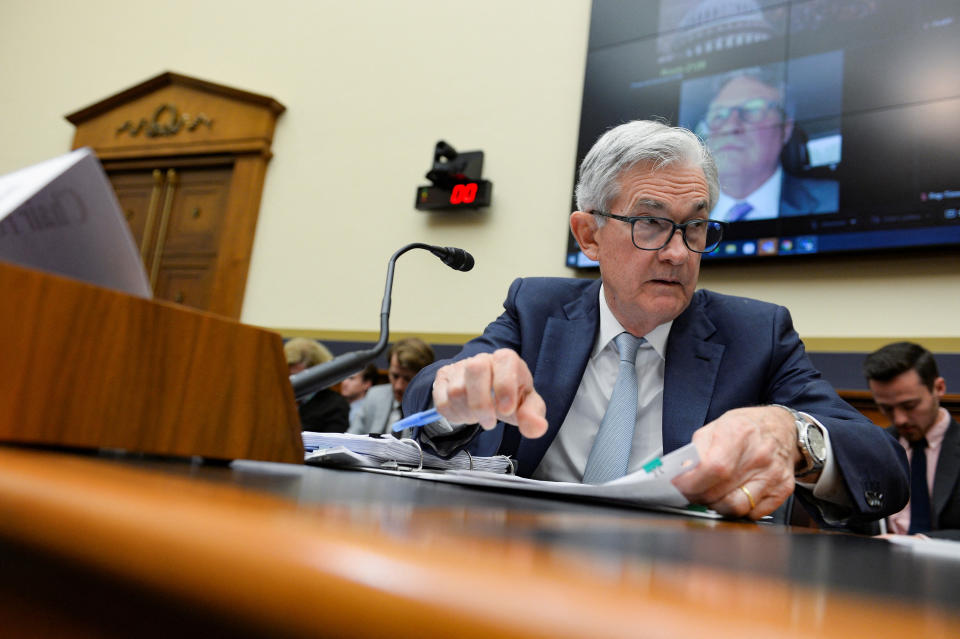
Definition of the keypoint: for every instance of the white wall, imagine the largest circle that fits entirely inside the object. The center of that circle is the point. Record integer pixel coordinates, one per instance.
(370, 86)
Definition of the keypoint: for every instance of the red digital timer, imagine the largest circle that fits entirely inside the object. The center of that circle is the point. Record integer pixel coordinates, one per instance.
(464, 193)
(471, 195)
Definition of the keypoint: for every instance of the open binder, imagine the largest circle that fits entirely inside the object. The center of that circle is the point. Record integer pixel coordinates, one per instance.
(650, 487)
(388, 452)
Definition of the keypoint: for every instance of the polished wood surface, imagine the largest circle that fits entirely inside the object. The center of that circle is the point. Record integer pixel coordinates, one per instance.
(281, 550)
(187, 159)
(84, 366)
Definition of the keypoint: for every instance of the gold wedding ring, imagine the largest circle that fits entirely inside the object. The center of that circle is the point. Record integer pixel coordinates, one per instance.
(746, 492)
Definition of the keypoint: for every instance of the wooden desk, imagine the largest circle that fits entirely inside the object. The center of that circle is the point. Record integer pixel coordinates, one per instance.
(91, 546)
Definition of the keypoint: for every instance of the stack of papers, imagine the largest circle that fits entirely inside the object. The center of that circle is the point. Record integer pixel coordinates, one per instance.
(386, 451)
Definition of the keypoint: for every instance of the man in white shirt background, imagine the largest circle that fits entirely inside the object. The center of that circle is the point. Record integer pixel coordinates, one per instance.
(381, 406)
(746, 127)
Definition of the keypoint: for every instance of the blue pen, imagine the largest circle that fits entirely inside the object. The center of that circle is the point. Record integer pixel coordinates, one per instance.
(417, 419)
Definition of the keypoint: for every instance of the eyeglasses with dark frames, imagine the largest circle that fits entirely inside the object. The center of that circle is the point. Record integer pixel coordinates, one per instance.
(653, 233)
(751, 112)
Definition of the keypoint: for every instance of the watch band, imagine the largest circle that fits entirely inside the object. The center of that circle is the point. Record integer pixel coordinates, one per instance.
(811, 463)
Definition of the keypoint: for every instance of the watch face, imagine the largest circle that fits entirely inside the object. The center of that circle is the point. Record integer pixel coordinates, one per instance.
(817, 445)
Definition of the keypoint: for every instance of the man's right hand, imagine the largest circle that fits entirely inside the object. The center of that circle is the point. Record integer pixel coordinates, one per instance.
(488, 388)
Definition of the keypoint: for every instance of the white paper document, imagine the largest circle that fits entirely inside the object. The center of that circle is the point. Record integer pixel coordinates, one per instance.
(648, 486)
(62, 216)
(386, 451)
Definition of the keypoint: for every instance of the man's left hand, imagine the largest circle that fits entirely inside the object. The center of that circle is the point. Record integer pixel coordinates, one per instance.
(753, 448)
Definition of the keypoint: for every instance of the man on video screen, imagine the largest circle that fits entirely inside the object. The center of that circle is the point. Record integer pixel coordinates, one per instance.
(746, 126)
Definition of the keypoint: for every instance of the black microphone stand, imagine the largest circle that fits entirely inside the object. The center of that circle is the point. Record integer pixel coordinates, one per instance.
(329, 373)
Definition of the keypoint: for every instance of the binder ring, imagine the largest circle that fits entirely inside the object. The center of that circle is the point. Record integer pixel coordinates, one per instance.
(416, 445)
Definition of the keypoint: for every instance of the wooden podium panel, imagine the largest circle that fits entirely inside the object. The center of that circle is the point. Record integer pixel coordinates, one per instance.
(84, 366)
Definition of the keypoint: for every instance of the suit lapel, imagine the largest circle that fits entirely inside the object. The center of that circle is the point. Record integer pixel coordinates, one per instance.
(690, 375)
(948, 468)
(562, 357)
(385, 407)
(795, 198)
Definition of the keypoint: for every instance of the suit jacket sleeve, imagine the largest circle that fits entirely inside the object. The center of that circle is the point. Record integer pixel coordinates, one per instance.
(871, 463)
(946, 487)
(504, 332)
(727, 352)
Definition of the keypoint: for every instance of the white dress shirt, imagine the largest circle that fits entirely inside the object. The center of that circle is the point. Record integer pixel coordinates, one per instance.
(566, 458)
(765, 201)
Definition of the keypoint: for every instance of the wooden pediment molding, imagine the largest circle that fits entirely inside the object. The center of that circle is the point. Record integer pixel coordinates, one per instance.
(174, 114)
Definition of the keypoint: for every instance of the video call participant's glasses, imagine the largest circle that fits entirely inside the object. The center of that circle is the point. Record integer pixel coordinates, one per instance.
(751, 112)
(653, 233)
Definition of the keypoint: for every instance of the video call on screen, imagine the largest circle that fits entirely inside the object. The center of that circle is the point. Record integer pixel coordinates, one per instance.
(855, 104)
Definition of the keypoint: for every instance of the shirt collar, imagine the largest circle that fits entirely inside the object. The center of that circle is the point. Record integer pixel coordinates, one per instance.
(306, 398)
(765, 200)
(939, 429)
(610, 327)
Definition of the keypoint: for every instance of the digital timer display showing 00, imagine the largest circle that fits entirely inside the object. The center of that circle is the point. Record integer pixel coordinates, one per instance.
(470, 195)
(464, 193)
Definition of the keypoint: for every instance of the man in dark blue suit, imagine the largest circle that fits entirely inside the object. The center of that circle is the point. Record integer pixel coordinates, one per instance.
(727, 373)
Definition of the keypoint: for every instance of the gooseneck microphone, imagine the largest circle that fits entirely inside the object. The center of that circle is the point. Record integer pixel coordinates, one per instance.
(455, 258)
(323, 375)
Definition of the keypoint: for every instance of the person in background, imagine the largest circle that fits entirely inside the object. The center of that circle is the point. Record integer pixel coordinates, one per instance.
(746, 127)
(324, 411)
(355, 387)
(381, 406)
(585, 380)
(907, 388)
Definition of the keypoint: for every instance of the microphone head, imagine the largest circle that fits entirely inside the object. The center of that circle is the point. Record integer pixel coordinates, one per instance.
(457, 258)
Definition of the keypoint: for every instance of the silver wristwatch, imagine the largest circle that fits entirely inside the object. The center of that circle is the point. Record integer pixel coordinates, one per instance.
(810, 442)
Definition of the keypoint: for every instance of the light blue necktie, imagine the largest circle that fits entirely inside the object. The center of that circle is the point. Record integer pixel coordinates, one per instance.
(739, 211)
(610, 456)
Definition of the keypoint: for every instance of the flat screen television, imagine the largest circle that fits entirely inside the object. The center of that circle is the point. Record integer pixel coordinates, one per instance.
(835, 123)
